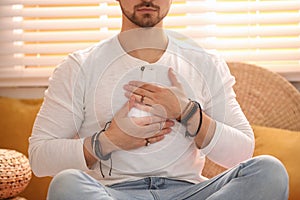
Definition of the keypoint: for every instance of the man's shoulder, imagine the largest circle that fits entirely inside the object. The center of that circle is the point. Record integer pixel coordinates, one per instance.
(93, 50)
(189, 47)
(207, 61)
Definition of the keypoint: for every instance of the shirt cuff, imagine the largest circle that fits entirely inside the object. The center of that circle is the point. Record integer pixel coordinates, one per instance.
(206, 150)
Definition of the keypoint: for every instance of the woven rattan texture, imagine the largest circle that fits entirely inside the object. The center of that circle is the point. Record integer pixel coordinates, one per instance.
(266, 98)
(15, 173)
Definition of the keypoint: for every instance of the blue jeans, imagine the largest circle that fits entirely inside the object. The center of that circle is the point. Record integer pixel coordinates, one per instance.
(259, 178)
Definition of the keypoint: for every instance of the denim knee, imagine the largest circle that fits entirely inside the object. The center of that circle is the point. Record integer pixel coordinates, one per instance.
(273, 172)
(75, 184)
(64, 184)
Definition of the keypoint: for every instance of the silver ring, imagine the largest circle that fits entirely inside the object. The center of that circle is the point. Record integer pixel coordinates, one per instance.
(147, 142)
(142, 98)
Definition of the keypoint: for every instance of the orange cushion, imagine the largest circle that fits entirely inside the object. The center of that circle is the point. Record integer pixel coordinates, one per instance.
(284, 145)
(17, 118)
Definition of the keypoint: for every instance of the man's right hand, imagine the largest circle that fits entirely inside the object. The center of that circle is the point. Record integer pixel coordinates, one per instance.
(126, 133)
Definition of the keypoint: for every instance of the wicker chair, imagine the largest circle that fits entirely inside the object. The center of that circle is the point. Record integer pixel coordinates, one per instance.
(266, 98)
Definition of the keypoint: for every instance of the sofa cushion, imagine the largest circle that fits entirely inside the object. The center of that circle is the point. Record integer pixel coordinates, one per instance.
(284, 145)
(17, 118)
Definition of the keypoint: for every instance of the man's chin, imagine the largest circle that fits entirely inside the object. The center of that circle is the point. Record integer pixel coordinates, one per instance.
(146, 23)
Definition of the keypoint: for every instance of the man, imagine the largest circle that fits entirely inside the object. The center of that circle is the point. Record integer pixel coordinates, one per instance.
(133, 117)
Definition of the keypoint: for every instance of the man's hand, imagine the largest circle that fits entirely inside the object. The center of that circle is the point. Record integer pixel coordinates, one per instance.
(134, 132)
(166, 102)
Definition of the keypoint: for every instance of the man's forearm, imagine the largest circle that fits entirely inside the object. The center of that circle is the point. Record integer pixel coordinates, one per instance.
(206, 131)
(90, 159)
(106, 147)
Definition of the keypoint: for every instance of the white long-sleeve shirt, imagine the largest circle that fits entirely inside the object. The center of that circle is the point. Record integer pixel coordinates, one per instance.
(85, 91)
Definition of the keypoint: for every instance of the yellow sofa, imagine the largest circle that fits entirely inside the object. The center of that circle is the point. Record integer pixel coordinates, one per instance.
(272, 106)
(17, 117)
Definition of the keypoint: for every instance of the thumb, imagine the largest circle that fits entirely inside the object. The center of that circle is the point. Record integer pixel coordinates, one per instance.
(173, 78)
(127, 107)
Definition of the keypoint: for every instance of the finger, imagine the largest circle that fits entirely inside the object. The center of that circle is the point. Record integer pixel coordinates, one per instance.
(168, 124)
(156, 128)
(161, 133)
(134, 128)
(147, 107)
(160, 136)
(149, 130)
(137, 90)
(131, 103)
(173, 78)
(136, 96)
(146, 101)
(155, 109)
(139, 98)
(142, 121)
(154, 139)
(146, 86)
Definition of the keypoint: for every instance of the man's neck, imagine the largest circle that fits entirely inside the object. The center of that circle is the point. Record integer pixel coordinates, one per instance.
(147, 44)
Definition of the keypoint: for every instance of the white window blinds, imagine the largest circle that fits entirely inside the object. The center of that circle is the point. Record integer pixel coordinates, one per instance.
(35, 35)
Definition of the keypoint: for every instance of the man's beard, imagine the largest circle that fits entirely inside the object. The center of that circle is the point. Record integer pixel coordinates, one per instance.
(146, 20)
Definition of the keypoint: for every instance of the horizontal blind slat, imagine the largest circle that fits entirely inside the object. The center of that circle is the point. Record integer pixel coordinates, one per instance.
(75, 11)
(192, 6)
(56, 24)
(49, 48)
(250, 43)
(239, 19)
(52, 2)
(235, 6)
(224, 31)
(11, 61)
(56, 36)
(89, 35)
(242, 56)
(81, 11)
(65, 2)
(247, 56)
(242, 31)
(263, 32)
(221, 44)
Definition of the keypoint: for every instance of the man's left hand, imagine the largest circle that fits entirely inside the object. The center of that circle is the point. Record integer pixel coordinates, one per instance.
(167, 102)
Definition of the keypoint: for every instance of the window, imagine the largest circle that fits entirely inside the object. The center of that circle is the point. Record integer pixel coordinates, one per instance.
(35, 35)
